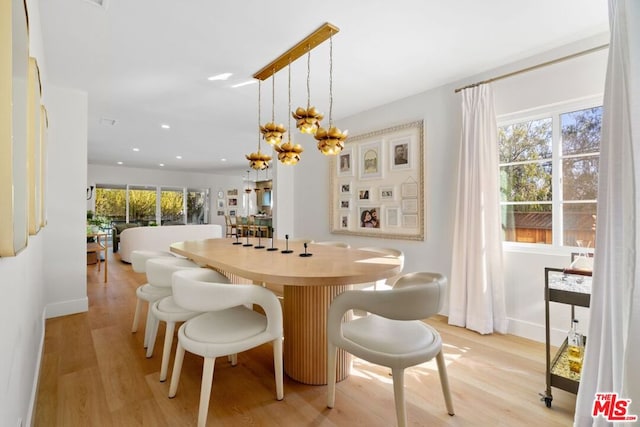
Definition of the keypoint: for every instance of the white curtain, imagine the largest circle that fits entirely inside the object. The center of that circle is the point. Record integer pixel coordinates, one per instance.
(613, 339)
(476, 292)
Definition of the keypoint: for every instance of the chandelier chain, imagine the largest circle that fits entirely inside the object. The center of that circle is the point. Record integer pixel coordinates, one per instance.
(308, 77)
(330, 78)
(289, 90)
(273, 97)
(259, 118)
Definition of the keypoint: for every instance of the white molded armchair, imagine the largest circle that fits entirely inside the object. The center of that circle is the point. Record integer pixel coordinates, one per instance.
(226, 327)
(393, 335)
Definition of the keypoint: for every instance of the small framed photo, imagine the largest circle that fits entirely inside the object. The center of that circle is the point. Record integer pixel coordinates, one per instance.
(345, 162)
(364, 194)
(387, 193)
(370, 160)
(410, 221)
(392, 216)
(410, 205)
(369, 217)
(345, 204)
(401, 153)
(233, 192)
(410, 190)
(344, 222)
(233, 202)
(220, 213)
(232, 212)
(220, 203)
(345, 188)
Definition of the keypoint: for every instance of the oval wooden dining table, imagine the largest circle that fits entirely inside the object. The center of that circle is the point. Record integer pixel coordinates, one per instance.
(309, 285)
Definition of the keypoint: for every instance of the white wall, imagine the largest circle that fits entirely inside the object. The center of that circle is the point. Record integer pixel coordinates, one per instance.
(440, 110)
(102, 174)
(22, 331)
(51, 269)
(65, 265)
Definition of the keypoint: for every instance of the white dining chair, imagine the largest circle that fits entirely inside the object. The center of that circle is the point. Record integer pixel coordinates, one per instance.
(139, 258)
(139, 265)
(226, 327)
(384, 253)
(167, 310)
(335, 243)
(158, 271)
(393, 335)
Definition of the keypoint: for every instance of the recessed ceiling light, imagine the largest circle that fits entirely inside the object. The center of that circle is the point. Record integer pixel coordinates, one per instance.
(165, 126)
(223, 160)
(119, 163)
(161, 165)
(178, 157)
(223, 76)
(248, 82)
(136, 149)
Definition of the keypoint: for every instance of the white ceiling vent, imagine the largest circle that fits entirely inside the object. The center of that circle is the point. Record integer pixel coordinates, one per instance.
(100, 3)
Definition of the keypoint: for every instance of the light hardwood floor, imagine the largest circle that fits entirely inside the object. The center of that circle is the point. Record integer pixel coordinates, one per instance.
(94, 373)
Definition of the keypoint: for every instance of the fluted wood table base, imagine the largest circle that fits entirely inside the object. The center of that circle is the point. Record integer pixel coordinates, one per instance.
(305, 334)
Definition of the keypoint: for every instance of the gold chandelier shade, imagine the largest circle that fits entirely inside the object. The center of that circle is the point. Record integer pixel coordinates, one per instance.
(307, 121)
(272, 133)
(331, 142)
(258, 160)
(288, 153)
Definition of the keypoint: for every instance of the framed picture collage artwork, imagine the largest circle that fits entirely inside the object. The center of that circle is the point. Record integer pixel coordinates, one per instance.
(378, 184)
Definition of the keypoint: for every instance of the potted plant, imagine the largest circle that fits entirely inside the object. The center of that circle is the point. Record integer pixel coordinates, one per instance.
(95, 223)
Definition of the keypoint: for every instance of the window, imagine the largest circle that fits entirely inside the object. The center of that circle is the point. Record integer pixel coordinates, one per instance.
(111, 202)
(549, 176)
(197, 203)
(172, 206)
(149, 205)
(142, 205)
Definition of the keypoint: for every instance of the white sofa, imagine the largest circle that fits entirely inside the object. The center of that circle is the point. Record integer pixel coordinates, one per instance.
(159, 238)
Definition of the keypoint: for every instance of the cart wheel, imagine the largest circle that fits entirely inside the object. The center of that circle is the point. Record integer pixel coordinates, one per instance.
(547, 401)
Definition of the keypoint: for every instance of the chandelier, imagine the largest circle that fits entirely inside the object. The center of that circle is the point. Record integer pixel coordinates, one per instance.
(289, 153)
(258, 160)
(308, 119)
(272, 132)
(331, 141)
(248, 189)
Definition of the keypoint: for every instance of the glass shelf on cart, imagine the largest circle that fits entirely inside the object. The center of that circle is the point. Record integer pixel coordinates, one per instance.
(570, 282)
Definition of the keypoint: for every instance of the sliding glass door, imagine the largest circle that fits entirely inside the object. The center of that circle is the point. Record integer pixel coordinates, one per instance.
(151, 205)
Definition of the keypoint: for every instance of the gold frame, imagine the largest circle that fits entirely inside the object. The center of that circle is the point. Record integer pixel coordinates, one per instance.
(389, 178)
(14, 61)
(44, 128)
(34, 146)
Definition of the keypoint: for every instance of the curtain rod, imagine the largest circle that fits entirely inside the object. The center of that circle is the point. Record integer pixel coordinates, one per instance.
(535, 67)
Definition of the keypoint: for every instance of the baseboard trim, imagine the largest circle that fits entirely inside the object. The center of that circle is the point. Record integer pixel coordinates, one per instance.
(535, 332)
(36, 374)
(64, 308)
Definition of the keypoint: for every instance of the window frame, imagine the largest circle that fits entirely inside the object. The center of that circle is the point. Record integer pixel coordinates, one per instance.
(158, 190)
(554, 111)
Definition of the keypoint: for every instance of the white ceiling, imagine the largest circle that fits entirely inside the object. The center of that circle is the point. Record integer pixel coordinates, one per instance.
(146, 62)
